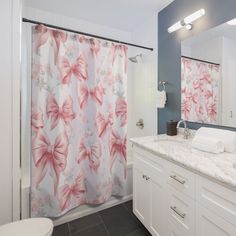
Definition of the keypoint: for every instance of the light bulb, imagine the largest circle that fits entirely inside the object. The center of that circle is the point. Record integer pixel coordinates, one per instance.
(189, 19)
(175, 27)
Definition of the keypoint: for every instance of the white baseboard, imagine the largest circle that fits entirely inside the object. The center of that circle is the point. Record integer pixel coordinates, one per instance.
(87, 210)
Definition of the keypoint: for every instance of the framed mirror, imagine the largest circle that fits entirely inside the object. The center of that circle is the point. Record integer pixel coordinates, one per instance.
(208, 76)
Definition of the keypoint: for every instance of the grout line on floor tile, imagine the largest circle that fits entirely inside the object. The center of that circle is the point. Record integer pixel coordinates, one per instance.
(108, 233)
(104, 224)
(126, 208)
(101, 217)
(88, 227)
(68, 225)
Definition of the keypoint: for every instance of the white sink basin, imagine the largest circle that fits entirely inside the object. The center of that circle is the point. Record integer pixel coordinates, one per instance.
(173, 145)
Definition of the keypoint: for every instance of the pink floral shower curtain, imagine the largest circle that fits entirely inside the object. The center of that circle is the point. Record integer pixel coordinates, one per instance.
(200, 91)
(79, 119)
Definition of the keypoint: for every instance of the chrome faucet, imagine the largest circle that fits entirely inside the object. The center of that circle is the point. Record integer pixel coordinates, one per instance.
(186, 130)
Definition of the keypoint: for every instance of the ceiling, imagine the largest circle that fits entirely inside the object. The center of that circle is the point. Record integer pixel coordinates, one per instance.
(119, 14)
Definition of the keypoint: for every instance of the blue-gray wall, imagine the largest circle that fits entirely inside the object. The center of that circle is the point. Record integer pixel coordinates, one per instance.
(169, 47)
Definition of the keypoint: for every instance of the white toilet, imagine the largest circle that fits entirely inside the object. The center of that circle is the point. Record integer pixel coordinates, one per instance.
(28, 227)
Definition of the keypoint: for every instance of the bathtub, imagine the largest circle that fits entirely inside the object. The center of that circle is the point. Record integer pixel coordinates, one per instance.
(82, 210)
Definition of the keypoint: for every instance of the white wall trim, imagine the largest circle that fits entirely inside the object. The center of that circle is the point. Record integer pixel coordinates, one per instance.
(16, 68)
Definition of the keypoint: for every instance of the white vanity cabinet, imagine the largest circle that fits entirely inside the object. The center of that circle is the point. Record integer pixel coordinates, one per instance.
(173, 201)
(149, 193)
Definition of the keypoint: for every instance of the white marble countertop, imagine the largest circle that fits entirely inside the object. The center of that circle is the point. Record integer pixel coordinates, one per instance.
(220, 167)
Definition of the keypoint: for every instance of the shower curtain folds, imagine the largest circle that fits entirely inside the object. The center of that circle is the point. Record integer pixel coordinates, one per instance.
(79, 121)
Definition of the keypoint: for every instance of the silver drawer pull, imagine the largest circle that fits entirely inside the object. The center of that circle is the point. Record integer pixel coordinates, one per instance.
(175, 209)
(174, 177)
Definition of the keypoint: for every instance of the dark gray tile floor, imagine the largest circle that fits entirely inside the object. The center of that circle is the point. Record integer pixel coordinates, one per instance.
(115, 221)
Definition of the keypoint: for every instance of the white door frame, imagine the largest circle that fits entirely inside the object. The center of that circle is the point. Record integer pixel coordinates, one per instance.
(16, 72)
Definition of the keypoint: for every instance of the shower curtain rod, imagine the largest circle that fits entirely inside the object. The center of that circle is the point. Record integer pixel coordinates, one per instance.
(195, 59)
(86, 34)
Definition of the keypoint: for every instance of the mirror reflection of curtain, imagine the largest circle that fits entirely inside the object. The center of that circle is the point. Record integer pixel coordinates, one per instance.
(200, 91)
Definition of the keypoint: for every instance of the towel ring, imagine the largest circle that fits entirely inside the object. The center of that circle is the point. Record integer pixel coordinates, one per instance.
(163, 83)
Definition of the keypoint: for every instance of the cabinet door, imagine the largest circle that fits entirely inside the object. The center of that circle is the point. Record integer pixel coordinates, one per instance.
(158, 203)
(208, 223)
(140, 196)
(150, 194)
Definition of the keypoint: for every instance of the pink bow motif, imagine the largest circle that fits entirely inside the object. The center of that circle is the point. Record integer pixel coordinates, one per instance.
(92, 153)
(185, 108)
(74, 191)
(56, 113)
(57, 36)
(47, 155)
(208, 95)
(191, 96)
(95, 93)
(37, 119)
(102, 123)
(199, 84)
(121, 110)
(206, 78)
(117, 146)
(119, 50)
(78, 69)
(212, 111)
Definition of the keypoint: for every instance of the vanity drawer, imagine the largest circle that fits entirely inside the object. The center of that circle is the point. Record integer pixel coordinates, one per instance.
(181, 212)
(217, 198)
(181, 179)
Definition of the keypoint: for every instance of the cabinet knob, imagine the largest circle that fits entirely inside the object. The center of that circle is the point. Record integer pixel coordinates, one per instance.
(147, 178)
(144, 176)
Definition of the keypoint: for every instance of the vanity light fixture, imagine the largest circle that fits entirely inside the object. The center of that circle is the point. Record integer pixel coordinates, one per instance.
(232, 22)
(187, 21)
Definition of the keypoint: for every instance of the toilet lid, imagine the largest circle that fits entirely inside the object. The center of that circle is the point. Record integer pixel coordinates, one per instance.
(28, 227)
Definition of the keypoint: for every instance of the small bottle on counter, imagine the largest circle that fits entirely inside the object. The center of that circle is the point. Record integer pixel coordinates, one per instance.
(171, 129)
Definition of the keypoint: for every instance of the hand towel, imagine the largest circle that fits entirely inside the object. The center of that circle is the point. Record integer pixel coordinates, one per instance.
(208, 144)
(161, 99)
(227, 137)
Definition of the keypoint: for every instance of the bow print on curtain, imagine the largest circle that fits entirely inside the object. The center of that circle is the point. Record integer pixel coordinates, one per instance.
(79, 119)
(200, 91)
